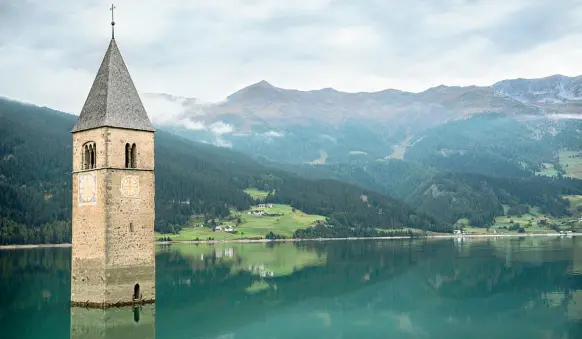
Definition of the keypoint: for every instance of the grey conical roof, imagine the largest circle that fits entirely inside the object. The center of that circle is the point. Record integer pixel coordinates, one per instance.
(113, 100)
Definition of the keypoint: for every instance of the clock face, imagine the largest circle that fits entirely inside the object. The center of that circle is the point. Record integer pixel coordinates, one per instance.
(87, 189)
(130, 186)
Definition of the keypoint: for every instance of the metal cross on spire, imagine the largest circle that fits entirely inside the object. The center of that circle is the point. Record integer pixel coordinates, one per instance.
(112, 22)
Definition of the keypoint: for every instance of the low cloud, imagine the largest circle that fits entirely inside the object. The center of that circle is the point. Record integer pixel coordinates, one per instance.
(220, 142)
(221, 128)
(556, 116)
(565, 116)
(274, 134)
(163, 111)
(328, 137)
(169, 110)
(194, 125)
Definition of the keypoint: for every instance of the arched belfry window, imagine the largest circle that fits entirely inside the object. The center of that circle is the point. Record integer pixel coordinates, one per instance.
(89, 155)
(86, 157)
(127, 156)
(92, 159)
(133, 156)
(130, 156)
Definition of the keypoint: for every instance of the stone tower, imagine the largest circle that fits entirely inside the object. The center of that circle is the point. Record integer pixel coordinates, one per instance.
(113, 255)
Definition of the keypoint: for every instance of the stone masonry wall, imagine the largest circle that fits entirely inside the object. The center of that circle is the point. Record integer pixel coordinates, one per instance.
(130, 231)
(121, 283)
(113, 239)
(88, 225)
(116, 140)
(98, 136)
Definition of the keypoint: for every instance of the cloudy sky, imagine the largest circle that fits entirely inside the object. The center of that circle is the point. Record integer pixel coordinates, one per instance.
(208, 49)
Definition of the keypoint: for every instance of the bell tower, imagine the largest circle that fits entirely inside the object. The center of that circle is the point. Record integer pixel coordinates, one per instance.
(113, 254)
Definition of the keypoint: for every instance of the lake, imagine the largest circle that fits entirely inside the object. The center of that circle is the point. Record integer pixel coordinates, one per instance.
(429, 288)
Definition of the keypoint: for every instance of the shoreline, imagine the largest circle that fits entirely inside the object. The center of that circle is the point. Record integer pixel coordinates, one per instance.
(434, 236)
(12, 247)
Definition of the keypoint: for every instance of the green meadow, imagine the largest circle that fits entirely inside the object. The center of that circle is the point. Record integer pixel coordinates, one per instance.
(571, 162)
(251, 226)
(529, 220)
(256, 193)
(548, 170)
(575, 201)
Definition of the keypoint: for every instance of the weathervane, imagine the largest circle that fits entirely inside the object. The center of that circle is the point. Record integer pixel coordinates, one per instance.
(112, 22)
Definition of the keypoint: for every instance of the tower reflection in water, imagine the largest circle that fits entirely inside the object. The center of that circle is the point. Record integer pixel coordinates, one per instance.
(114, 323)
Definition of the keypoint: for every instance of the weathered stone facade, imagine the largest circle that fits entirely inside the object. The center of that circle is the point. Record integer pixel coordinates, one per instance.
(113, 254)
(113, 238)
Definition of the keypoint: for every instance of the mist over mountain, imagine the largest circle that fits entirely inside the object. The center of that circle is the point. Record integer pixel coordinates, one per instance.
(326, 125)
(450, 154)
(457, 152)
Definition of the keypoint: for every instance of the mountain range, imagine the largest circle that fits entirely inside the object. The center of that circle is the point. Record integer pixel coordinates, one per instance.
(386, 159)
(331, 126)
(449, 150)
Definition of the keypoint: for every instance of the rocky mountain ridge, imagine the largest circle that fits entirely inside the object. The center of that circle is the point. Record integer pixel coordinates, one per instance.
(554, 89)
(261, 104)
(327, 125)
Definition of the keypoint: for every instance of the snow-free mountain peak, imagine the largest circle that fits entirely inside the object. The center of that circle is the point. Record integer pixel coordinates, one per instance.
(554, 89)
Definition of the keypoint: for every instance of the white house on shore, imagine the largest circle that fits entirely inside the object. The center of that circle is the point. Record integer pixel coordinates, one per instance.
(226, 228)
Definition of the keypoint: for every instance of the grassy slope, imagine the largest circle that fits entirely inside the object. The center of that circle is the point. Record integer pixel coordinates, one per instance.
(253, 226)
(548, 170)
(256, 193)
(571, 162)
(575, 200)
(564, 223)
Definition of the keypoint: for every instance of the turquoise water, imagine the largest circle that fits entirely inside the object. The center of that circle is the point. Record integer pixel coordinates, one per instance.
(451, 288)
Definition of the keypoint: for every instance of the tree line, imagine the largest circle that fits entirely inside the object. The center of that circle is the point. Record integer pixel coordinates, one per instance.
(191, 179)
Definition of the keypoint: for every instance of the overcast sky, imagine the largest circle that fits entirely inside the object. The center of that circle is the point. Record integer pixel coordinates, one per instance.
(207, 49)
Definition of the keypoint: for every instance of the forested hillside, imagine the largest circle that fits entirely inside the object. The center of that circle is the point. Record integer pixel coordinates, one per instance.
(191, 179)
(451, 195)
(471, 169)
(495, 145)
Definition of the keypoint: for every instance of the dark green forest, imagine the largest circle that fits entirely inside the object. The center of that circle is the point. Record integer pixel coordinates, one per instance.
(449, 195)
(431, 189)
(494, 165)
(191, 179)
(494, 144)
(303, 143)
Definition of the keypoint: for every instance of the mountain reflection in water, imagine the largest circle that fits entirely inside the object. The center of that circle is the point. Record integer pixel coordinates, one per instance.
(452, 288)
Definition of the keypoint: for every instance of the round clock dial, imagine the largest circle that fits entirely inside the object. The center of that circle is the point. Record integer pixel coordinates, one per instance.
(130, 186)
(87, 188)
